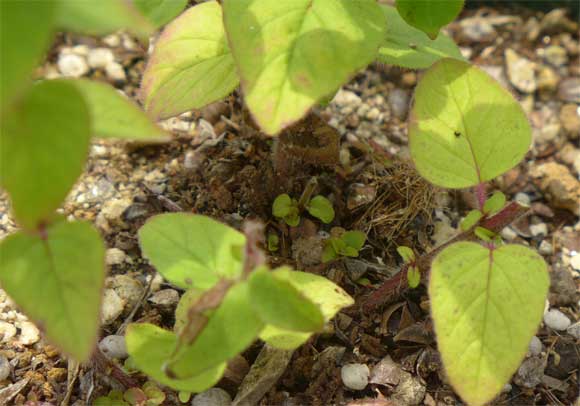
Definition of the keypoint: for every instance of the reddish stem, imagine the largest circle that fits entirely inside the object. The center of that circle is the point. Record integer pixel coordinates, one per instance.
(480, 193)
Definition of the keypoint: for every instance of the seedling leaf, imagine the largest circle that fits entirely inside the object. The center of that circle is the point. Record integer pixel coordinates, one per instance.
(160, 12)
(191, 250)
(354, 239)
(57, 281)
(321, 208)
(282, 205)
(495, 203)
(115, 116)
(191, 65)
(477, 295)
(293, 53)
(413, 277)
(328, 252)
(452, 141)
(185, 302)
(484, 234)
(406, 253)
(231, 328)
(471, 219)
(330, 297)
(45, 141)
(409, 47)
(280, 304)
(151, 346)
(429, 16)
(24, 37)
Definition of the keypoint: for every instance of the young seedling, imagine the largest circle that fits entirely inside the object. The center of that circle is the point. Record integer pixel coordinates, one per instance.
(345, 244)
(413, 273)
(289, 209)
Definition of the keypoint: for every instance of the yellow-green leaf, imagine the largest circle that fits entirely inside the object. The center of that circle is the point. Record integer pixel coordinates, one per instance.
(57, 279)
(429, 16)
(293, 53)
(464, 127)
(486, 306)
(160, 12)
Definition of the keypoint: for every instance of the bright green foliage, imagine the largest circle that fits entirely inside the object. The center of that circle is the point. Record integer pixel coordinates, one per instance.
(321, 208)
(110, 16)
(429, 16)
(477, 296)
(160, 12)
(406, 253)
(348, 245)
(115, 116)
(292, 53)
(45, 141)
(191, 250)
(191, 65)
(329, 297)
(273, 242)
(114, 398)
(408, 47)
(186, 301)
(471, 219)
(231, 328)
(452, 141)
(150, 348)
(413, 277)
(57, 281)
(282, 305)
(495, 203)
(184, 396)
(286, 208)
(487, 235)
(25, 35)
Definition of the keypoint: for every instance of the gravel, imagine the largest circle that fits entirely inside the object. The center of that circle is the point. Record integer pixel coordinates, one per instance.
(556, 320)
(355, 376)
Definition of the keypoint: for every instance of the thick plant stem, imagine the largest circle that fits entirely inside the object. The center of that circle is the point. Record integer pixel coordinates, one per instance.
(480, 193)
(107, 367)
(398, 283)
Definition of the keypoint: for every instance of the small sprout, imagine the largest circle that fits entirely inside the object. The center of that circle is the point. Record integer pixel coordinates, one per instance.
(347, 245)
(155, 396)
(406, 253)
(286, 208)
(471, 219)
(273, 242)
(413, 277)
(484, 234)
(321, 208)
(135, 397)
(184, 397)
(495, 203)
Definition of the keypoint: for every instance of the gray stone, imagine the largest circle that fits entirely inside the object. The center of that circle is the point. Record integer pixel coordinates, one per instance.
(212, 397)
(555, 55)
(531, 372)
(115, 256)
(540, 229)
(29, 334)
(355, 376)
(535, 346)
(165, 298)
(556, 320)
(127, 288)
(112, 307)
(574, 330)
(114, 346)
(5, 368)
(520, 72)
(399, 102)
(410, 391)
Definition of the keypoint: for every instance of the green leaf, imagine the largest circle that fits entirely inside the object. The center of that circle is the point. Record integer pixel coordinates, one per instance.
(230, 330)
(185, 302)
(57, 281)
(273, 242)
(293, 53)
(322, 292)
(321, 208)
(280, 304)
(495, 203)
(452, 140)
(354, 239)
(155, 396)
(110, 16)
(151, 346)
(45, 141)
(484, 234)
(160, 12)
(115, 116)
(471, 219)
(328, 252)
(486, 306)
(408, 47)
(429, 16)
(191, 250)
(135, 397)
(293, 219)
(191, 65)
(25, 35)
(413, 277)
(406, 253)
(282, 205)
(184, 397)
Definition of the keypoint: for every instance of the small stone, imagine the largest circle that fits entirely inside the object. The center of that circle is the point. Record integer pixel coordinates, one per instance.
(547, 79)
(7, 331)
(530, 373)
(115, 72)
(114, 346)
(574, 330)
(570, 119)
(112, 40)
(410, 391)
(569, 90)
(386, 372)
(347, 98)
(575, 262)
(115, 256)
(508, 234)
(545, 248)
(129, 289)
(355, 376)
(556, 320)
(165, 298)
(29, 334)
(5, 368)
(212, 397)
(398, 100)
(72, 65)
(100, 57)
(477, 29)
(559, 186)
(307, 251)
(556, 55)
(373, 114)
(535, 346)
(562, 287)
(112, 308)
(540, 229)
(520, 72)
(507, 388)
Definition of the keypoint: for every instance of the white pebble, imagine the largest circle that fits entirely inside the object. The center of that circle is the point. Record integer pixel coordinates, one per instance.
(523, 198)
(575, 262)
(535, 347)
(114, 346)
(7, 331)
(212, 397)
(100, 57)
(29, 334)
(112, 308)
(114, 256)
(115, 72)
(556, 320)
(72, 65)
(539, 229)
(508, 234)
(355, 376)
(546, 248)
(574, 330)
(5, 368)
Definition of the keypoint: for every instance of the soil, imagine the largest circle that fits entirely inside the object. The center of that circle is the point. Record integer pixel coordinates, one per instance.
(218, 164)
